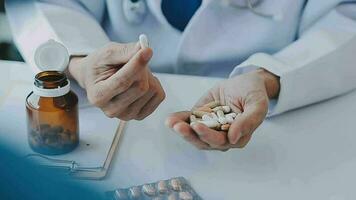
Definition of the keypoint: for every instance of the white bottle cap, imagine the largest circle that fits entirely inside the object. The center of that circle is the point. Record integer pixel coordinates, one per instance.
(52, 56)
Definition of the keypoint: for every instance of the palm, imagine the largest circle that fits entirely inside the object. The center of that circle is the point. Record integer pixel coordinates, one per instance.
(246, 95)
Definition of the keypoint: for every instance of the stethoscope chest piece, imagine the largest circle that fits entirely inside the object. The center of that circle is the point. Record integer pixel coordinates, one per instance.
(134, 10)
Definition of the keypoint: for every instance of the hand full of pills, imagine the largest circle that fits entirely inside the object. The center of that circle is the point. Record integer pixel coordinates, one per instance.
(172, 189)
(213, 115)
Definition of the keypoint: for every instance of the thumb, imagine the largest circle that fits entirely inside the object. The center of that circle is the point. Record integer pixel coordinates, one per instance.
(247, 122)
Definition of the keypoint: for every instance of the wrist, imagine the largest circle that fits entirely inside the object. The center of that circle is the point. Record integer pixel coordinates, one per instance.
(271, 82)
(75, 70)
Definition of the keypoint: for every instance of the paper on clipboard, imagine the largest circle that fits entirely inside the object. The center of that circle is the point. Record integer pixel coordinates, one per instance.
(97, 132)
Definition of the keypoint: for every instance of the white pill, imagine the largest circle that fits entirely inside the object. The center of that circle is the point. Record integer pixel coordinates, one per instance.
(193, 123)
(214, 116)
(193, 118)
(229, 119)
(226, 109)
(206, 117)
(176, 184)
(162, 187)
(149, 190)
(220, 113)
(222, 120)
(143, 41)
(185, 196)
(135, 192)
(217, 108)
(211, 123)
(233, 115)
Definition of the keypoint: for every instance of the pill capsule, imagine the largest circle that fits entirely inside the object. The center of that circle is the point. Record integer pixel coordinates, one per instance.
(229, 119)
(217, 108)
(220, 113)
(193, 118)
(206, 117)
(205, 109)
(149, 190)
(222, 120)
(121, 194)
(143, 41)
(135, 192)
(214, 116)
(211, 123)
(198, 113)
(233, 115)
(212, 104)
(185, 196)
(176, 184)
(226, 109)
(225, 127)
(162, 187)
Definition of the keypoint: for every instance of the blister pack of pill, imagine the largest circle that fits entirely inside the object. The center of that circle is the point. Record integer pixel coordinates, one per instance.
(172, 189)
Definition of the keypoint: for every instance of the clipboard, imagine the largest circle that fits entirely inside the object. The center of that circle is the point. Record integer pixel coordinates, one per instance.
(91, 173)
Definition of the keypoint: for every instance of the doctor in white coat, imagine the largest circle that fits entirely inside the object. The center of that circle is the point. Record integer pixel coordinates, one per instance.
(276, 55)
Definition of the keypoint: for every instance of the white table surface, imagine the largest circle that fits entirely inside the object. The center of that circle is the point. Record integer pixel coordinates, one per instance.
(309, 153)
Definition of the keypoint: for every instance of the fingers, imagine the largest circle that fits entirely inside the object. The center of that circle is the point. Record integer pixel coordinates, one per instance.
(215, 139)
(133, 110)
(178, 122)
(243, 141)
(124, 78)
(117, 54)
(189, 135)
(246, 122)
(199, 135)
(118, 105)
(177, 117)
(153, 103)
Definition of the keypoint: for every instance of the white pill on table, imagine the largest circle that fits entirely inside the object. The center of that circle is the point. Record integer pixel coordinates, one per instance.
(162, 187)
(149, 190)
(135, 192)
(176, 184)
(185, 196)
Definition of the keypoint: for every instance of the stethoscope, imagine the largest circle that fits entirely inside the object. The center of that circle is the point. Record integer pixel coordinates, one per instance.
(135, 10)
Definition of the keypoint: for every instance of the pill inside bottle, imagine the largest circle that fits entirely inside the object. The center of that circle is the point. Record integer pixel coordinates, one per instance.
(52, 114)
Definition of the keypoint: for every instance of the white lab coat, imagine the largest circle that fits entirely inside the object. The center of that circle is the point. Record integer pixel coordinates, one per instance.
(312, 47)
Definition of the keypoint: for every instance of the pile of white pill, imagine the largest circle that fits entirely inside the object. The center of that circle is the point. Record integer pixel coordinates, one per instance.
(213, 115)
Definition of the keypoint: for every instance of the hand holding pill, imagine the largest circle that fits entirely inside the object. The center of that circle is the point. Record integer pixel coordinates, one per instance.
(118, 80)
(227, 114)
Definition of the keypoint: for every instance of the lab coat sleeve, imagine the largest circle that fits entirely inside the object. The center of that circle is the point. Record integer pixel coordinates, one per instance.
(319, 65)
(68, 22)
